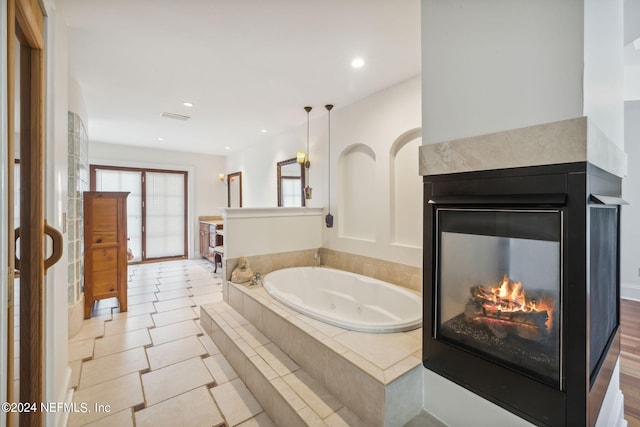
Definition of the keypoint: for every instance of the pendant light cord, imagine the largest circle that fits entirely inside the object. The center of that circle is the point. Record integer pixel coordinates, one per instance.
(329, 107)
(307, 162)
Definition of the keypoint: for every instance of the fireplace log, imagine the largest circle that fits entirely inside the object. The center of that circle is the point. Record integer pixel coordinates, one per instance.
(483, 308)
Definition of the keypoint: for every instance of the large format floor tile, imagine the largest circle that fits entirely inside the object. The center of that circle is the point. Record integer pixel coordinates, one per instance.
(198, 404)
(153, 365)
(236, 402)
(120, 393)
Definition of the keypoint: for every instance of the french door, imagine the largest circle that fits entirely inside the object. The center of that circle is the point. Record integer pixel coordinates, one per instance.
(156, 209)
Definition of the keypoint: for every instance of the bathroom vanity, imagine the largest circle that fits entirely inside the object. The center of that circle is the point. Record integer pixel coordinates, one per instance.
(211, 236)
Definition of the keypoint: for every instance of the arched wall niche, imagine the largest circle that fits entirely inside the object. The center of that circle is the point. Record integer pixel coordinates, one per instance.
(405, 190)
(357, 192)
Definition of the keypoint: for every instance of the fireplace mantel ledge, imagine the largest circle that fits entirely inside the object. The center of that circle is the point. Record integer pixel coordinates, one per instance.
(566, 141)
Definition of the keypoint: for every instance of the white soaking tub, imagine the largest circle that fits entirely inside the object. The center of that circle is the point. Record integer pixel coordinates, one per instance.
(345, 299)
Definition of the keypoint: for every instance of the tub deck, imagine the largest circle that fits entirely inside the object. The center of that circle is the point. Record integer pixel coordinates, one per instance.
(376, 376)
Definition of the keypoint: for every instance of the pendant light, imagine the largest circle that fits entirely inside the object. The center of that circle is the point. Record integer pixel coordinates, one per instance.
(307, 163)
(328, 220)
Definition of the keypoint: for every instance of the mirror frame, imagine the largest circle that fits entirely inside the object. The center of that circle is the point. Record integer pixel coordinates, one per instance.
(231, 177)
(280, 177)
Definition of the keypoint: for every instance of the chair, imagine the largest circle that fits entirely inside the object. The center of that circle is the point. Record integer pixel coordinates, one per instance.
(218, 250)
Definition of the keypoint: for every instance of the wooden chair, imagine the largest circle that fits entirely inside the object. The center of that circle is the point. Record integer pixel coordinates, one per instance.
(218, 250)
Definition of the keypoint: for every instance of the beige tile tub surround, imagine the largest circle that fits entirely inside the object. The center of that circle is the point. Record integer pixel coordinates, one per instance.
(264, 264)
(377, 376)
(403, 275)
(291, 397)
(566, 141)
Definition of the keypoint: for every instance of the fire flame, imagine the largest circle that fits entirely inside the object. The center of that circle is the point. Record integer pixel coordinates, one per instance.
(509, 296)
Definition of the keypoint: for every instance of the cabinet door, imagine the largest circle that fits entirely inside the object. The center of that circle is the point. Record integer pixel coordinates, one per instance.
(105, 240)
(204, 240)
(104, 262)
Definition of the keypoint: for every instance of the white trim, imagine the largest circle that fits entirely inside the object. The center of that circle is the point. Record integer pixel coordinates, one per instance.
(232, 213)
(66, 396)
(628, 291)
(51, 344)
(4, 273)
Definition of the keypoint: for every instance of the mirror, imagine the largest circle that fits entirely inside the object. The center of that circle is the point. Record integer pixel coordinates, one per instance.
(291, 183)
(234, 190)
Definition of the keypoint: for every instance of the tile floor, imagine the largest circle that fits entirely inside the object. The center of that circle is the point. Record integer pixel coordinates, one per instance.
(153, 365)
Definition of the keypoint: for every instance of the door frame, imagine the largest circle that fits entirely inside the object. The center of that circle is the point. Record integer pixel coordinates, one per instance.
(6, 273)
(94, 167)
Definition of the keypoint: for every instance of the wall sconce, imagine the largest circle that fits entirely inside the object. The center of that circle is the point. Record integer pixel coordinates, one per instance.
(221, 177)
(300, 157)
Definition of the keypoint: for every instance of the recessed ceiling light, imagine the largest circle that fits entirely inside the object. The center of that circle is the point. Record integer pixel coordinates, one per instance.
(264, 130)
(187, 104)
(227, 148)
(160, 139)
(357, 63)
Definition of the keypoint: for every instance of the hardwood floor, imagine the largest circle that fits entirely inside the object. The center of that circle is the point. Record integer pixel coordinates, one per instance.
(630, 361)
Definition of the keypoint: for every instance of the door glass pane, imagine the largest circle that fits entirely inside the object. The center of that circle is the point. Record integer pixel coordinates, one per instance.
(165, 214)
(131, 181)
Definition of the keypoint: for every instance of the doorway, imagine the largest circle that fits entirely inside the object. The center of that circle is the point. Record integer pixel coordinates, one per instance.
(156, 209)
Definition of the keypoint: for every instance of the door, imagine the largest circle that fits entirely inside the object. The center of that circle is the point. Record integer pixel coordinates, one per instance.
(25, 98)
(156, 208)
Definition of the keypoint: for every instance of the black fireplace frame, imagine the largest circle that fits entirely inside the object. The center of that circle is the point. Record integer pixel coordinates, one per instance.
(571, 188)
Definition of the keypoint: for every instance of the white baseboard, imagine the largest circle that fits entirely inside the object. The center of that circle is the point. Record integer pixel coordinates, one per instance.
(628, 291)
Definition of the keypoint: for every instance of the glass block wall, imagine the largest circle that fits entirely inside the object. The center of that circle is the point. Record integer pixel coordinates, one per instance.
(78, 167)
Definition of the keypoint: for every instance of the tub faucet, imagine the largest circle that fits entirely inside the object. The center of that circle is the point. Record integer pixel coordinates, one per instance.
(316, 256)
(256, 280)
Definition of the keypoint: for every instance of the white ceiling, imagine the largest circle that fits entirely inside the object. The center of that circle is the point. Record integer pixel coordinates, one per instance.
(247, 65)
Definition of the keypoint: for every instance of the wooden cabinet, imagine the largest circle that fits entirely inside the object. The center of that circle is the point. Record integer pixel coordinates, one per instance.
(105, 248)
(204, 240)
(210, 238)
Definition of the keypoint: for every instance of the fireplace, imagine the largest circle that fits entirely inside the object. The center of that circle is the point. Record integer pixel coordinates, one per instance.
(521, 287)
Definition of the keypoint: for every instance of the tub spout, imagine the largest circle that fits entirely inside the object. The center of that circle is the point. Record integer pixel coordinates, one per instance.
(316, 256)
(256, 280)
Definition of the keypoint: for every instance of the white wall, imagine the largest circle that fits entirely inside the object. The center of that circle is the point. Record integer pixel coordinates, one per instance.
(206, 193)
(263, 231)
(377, 122)
(630, 234)
(604, 67)
(494, 65)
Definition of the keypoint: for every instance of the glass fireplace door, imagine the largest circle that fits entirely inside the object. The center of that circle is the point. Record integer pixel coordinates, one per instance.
(498, 286)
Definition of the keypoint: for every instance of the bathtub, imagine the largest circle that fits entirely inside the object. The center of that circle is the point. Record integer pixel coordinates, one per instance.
(347, 300)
